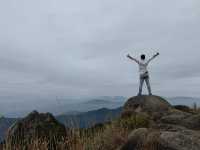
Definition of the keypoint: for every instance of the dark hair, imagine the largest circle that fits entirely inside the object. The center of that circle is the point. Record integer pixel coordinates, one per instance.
(142, 56)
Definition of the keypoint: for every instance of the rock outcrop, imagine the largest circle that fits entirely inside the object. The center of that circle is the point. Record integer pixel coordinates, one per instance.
(35, 126)
(154, 106)
(172, 128)
(150, 139)
(177, 117)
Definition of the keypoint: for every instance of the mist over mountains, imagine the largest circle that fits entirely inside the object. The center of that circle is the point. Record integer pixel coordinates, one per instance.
(189, 101)
(58, 106)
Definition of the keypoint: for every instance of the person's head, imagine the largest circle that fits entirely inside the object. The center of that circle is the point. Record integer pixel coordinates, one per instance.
(143, 57)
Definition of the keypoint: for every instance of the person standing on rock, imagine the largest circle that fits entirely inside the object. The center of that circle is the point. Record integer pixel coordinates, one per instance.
(144, 74)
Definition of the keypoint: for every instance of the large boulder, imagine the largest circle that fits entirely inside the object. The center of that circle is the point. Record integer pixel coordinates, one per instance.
(143, 138)
(192, 122)
(174, 116)
(135, 139)
(181, 140)
(155, 106)
(177, 117)
(35, 126)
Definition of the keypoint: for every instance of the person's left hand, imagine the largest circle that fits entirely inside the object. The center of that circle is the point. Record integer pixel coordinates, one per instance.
(156, 54)
(128, 55)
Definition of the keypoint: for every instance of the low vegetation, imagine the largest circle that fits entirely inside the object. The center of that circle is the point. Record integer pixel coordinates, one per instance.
(108, 136)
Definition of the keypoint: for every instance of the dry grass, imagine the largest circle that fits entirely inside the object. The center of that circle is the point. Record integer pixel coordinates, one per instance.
(109, 137)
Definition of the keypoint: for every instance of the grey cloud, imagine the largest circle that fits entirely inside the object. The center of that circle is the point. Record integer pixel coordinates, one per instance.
(50, 48)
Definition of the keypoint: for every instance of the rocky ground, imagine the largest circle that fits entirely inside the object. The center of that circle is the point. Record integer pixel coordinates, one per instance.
(35, 127)
(171, 128)
(146, 123)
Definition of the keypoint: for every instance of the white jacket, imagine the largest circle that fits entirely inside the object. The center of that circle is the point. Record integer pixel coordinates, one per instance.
(143, 67)
(143, 64)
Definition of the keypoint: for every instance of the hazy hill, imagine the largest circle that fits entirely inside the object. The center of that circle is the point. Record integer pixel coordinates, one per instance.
(20, 108)
(5, 123)
(87, 119)
(189, 101)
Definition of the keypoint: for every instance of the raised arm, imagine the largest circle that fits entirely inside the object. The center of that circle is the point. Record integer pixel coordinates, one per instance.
(133, 58)
(154, 56)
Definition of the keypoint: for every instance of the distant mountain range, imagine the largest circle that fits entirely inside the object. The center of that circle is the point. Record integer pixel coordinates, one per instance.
(90, 118)
(57, 106)
(5, 123)
(73, 119)
(189, 101)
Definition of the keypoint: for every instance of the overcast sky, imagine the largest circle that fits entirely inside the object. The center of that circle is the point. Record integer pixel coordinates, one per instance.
(60, 48)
